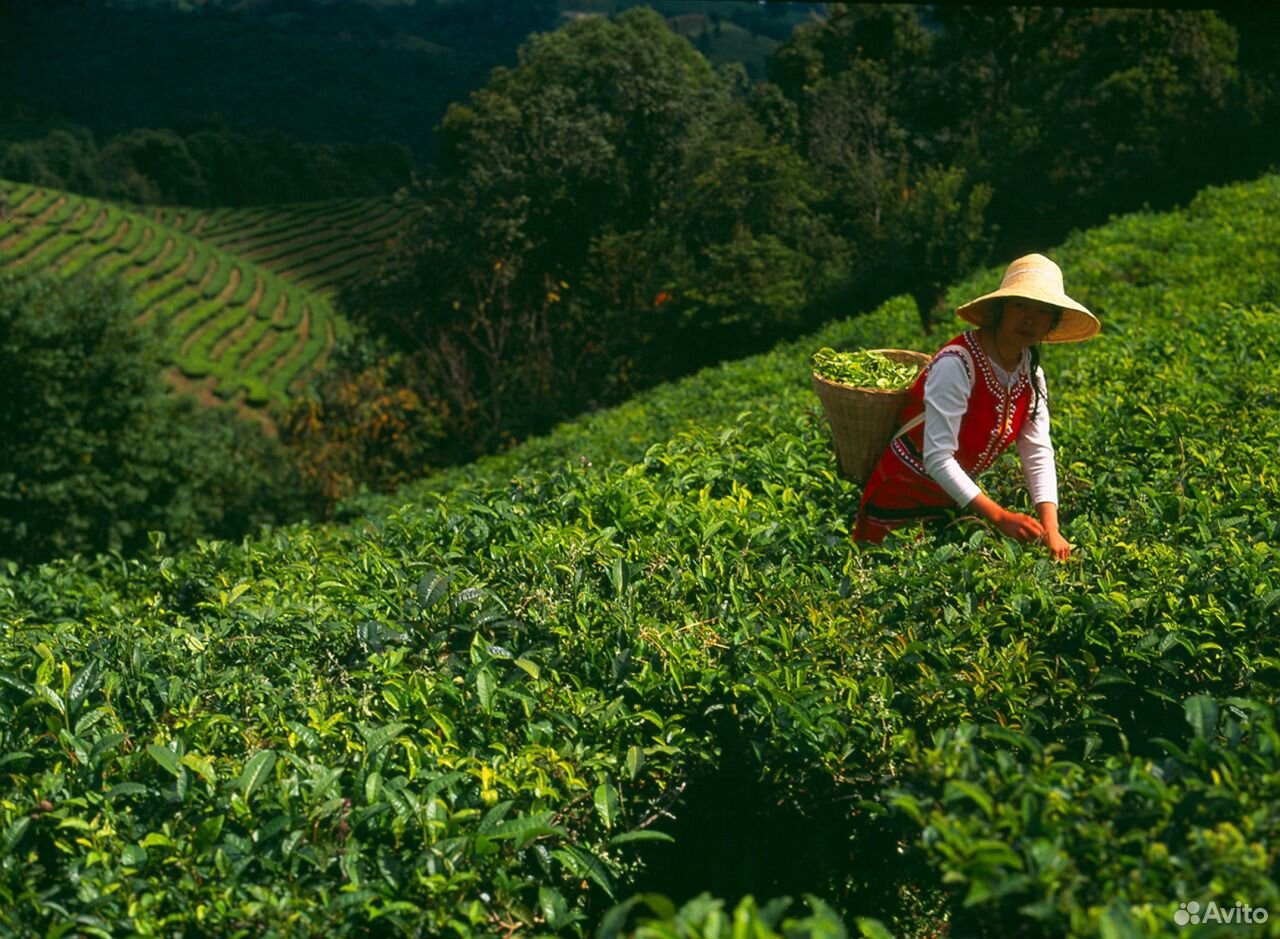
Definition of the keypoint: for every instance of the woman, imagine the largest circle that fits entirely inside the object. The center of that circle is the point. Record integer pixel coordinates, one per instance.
(981, 392)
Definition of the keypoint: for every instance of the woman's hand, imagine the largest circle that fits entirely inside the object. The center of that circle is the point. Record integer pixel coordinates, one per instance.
(1058, 546)
(1019, 527)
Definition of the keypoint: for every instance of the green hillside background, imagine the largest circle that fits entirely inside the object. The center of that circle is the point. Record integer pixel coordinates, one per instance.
(486, 705)
(244, 295)
(241, 298)
(301, 71)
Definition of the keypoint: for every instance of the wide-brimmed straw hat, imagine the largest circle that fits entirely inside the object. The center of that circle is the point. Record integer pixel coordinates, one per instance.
(1035, 277)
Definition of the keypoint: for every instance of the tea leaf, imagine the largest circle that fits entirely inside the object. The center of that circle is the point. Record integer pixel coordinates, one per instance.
(432, 588)
(486, 685)
(255, 771)
(166, 758)
(1202, 714)
(606, 802)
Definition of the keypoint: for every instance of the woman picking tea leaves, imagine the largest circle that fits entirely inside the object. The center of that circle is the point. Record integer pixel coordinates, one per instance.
(981, 392)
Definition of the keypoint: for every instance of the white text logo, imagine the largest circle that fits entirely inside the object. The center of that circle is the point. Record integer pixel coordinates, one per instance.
(1213, 913)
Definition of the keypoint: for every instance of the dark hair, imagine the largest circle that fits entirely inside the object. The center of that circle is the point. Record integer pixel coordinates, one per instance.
(996, 316)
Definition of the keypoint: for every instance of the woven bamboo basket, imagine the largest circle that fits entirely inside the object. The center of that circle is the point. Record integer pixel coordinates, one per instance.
(863, 419)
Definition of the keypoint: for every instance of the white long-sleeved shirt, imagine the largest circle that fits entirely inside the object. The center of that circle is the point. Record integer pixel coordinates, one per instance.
(946, 398)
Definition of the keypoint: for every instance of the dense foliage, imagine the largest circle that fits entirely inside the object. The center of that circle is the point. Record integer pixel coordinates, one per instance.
(1067, 114)
(577, 195)
(483, 707)
(97, 449)
(213, 166)
(299, 70)
(234, 104)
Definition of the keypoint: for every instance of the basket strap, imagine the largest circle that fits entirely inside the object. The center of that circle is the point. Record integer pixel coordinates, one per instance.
(910, 425)
(967, 359)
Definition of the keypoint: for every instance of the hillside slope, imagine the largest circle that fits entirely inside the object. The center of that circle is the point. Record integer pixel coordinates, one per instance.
(231, 327)
(315, 245)
(484, 707)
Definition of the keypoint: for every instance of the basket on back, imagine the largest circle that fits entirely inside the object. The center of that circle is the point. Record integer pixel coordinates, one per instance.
(863, 420)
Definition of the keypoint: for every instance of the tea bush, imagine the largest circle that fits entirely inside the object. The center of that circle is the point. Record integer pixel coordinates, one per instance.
(485, 706)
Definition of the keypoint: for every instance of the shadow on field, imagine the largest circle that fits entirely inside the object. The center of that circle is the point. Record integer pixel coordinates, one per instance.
(744, 828)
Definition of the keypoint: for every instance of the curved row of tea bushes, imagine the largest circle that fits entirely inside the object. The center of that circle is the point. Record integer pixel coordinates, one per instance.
(316, 245)
(184, 283)
(483, 707)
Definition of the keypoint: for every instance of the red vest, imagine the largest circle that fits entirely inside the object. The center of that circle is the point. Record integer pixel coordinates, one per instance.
(991, 422)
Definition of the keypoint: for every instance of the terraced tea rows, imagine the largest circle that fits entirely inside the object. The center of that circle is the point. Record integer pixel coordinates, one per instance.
(316, 245)
(230, 326)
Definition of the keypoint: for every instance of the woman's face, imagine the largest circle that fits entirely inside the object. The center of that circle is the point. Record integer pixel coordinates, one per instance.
(1026, 322)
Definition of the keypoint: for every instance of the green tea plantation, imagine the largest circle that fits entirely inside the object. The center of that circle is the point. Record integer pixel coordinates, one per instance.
(241, 298)
(633, 678)
(316, 245)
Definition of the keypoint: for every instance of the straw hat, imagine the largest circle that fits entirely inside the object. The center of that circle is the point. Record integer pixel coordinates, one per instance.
(1035, 277)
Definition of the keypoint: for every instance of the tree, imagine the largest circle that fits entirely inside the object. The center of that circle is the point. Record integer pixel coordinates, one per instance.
(756, 256)
(588, 131)
(205, 167)
(859, 81)
(936, 232)
(584, 139)
(1095, 110)
(98, 451)
(153, 166)
(363, 424)
(65, 159)
(1055, 117)
(609, 213)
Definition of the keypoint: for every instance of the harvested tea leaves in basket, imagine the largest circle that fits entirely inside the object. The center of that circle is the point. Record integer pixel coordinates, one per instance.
(864, 369)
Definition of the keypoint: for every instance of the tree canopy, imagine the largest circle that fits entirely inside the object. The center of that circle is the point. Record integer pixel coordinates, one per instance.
(97, 450)
(593, 209)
